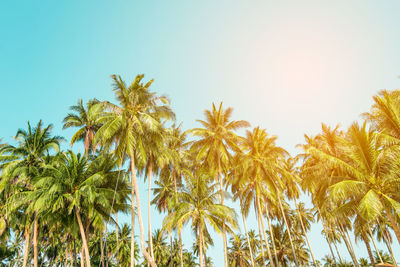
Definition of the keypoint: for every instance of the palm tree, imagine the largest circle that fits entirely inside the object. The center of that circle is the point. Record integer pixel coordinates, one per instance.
(23, 164)
(197, 204)
(74, 185)
(239, 252)
(256, 174)
(139, 114)
(367, 174)
(216, 139)
(88, 122)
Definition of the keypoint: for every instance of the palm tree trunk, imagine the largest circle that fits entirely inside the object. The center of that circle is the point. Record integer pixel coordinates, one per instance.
(200, 246)
(305, 233)
(271, 262)
(373, 242)
(248, 240)
(135, 190)
(35, 244)
(26, 249)
(288, 229)
(351, 244)
(149, 212)
(261, 236)
(180, 248)
(371, 257)
(393, 222)
(353, 257)
(272, 237)
(223, 222)
(333, 255)
(117, 238)
(86, 144)
(385, 238)
(82, 256)
(337, 250)
(85, 245)
(101, 249)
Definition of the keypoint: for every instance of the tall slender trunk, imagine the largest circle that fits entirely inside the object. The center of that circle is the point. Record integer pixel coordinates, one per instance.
(337, 251)
(101, 249)
(305, 233)
(271, 262)
(200, 246)
(150, 173)
(393, 222)
(135, 190)
(86, 144)
(353, 257)
(223, 222)
(371, 256)
(248, 240)
(117, 238)
(82, 256)
(389, 246)
(82, 230)
(35, 243)
(26, 249)
(333, 255)
(272, 237)
(351, 243)
(373, 242)
(204, 252)
(261, 236)
(288, 229)
(180, 248)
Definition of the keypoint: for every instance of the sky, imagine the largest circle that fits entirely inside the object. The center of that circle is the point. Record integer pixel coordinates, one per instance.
(285, 66)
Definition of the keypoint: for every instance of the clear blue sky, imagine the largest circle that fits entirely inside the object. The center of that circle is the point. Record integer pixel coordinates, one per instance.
(286, 66)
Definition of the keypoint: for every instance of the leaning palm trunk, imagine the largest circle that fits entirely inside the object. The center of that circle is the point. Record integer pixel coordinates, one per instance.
(373, 242)
(337, 251)
(117, 238)
(35, 244)
(272, 237)
(26, 249)
(288, 229)
(330, 248)
(393, 222)
(261, 237)
(248, 240)
(351, 244)
(371, 256)
(264, 232)
(180, 248)
(223, 222)
(149, 212)
(135, 191)
(305, 233)
(353, 257)
(84, 242)
(389, 247)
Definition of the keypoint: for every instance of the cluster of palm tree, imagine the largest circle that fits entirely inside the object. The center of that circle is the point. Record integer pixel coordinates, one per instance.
(61, 208)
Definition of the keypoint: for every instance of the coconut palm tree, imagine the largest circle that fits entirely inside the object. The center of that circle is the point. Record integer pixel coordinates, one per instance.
(367, 175)
(138, 114)
(24, 163)
(197, 204)
(215, 141)
(74, 185)
(87, 120)
(257, 174)
(239, 253)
